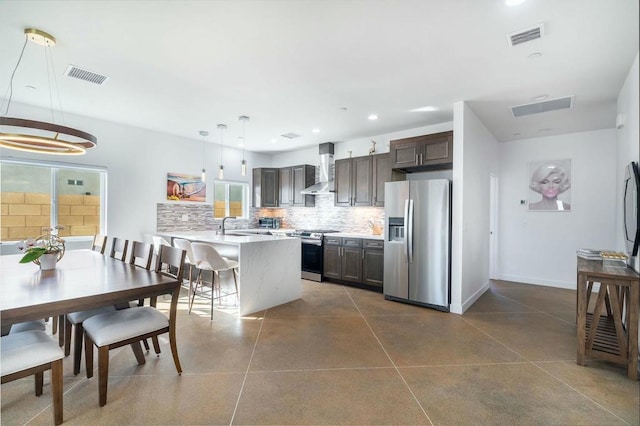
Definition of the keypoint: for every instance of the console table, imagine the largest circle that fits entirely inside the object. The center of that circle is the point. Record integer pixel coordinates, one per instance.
(611, 331)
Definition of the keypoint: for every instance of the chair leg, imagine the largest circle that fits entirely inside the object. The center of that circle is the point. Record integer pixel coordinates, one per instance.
(56, 391)
(156, 345)
(193, 293)
(61, 326)
(39, 379)
(77, 348)
(88, 355)
(103, 373)
(54, 325)
(137, 351)
(235, 281)
(213, 290)
(67, 336)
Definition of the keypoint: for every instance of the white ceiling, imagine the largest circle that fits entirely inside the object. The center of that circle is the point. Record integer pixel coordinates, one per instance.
(183, 66)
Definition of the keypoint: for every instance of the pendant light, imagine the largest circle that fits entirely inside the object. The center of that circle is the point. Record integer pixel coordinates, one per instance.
(222, 128)
(38, 136)
(243, 164)
(204, 134)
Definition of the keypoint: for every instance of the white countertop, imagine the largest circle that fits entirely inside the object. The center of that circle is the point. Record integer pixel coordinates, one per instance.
(213, 237)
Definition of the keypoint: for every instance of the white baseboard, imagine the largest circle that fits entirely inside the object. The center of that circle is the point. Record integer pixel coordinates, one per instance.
(569, 285)
(460, 309)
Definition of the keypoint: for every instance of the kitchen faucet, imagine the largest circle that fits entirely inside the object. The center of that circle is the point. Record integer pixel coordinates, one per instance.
(223, 220)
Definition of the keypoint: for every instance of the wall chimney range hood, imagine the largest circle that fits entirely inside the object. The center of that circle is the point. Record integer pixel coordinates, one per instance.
(325, 184)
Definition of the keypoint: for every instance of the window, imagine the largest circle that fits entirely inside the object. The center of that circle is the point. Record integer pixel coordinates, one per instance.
(35, 195)
(231, 199)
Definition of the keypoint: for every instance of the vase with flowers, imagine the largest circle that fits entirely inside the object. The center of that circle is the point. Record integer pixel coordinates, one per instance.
(45, 250)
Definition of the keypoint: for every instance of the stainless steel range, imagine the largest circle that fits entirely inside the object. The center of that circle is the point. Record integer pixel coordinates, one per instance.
(312, 252)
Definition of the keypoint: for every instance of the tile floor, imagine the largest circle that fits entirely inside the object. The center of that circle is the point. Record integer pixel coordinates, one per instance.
(342, 355)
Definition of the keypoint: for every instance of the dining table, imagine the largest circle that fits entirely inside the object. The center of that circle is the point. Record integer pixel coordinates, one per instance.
(82, 280)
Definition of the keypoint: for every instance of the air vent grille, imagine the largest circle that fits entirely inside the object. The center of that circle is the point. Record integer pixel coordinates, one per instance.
(86, 75)
(290, 135)
(525, 35)
(545, 106)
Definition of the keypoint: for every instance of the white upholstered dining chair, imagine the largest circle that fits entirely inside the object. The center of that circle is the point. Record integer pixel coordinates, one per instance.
(32, 353)
(130, 326)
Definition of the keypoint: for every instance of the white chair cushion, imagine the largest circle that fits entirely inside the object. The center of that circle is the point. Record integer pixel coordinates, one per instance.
(21, 351)
(231, 264)
(27, 326)
(82, 316)
(112, 327)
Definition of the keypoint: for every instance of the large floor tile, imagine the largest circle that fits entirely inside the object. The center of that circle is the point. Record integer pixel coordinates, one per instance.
(372, 303)
(317, 302)
(507, 394)
(535, 336)
(203, 399)
(320, 342)
(436, 339)
(492, 301)
(604, 382)
(545, 299)
(332, 397)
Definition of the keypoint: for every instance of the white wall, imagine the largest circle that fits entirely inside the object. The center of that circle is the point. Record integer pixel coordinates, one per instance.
(628, 145)
(474, 160)
(539, 247)
(138, 161)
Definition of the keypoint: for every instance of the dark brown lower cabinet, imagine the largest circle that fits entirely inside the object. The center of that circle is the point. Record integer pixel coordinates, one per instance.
(373, 262)
(354, 261)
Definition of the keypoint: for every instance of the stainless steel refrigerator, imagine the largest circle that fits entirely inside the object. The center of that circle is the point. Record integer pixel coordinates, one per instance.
(417, 242)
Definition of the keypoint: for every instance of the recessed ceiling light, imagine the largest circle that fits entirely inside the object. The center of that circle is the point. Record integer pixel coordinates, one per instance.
(316, 130)
(372, 117)
(424, 109)
(274, 140)
(513, 2)
(539, 97)
(535, 55)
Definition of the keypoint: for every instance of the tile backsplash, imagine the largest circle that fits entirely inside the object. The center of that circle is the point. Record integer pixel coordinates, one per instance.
(187, 217)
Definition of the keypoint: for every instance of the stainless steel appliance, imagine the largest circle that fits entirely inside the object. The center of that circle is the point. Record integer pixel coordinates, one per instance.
(312, 252)
(417, 242)
(269, 222)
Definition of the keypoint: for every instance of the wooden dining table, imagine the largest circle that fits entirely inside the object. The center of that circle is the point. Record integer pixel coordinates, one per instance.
(82, 280)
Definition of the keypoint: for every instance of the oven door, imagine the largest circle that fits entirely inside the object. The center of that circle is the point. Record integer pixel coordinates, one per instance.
(312, 260)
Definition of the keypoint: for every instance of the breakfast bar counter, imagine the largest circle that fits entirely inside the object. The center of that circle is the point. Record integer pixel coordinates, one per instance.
(268, 276)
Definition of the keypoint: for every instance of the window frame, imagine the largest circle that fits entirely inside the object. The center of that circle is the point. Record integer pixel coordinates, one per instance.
(54, 167)
(245, 197)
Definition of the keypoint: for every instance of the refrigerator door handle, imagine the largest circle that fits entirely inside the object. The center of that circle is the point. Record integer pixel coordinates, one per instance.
(405, 230)
(410, 232)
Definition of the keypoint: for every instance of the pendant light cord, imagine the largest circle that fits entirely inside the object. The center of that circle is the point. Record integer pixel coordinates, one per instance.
(10, 88)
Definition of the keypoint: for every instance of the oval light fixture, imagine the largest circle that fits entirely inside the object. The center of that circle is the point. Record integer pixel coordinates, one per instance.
(372, 117)
(38, 136)
(424, 109)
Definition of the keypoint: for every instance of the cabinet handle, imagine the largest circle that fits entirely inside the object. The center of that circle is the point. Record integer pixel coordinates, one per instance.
(421, 159)
(362, 254)
(416, 159)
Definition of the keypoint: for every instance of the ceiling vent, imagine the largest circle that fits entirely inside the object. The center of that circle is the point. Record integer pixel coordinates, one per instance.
(290, 135)
(544, 106)
(86, 75)
(525, 35)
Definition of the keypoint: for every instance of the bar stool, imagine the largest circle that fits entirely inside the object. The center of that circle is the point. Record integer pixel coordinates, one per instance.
(207, 258)
(189, 260)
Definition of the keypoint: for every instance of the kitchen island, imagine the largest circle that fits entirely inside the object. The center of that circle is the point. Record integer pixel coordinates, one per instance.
(267, 275)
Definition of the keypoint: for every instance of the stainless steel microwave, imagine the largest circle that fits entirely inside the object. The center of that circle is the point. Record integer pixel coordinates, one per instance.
(269, 222)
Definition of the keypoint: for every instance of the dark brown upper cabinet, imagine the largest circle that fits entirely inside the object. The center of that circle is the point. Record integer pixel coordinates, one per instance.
(353, 181)
(266, 188)
(292, 181)
(421, 153)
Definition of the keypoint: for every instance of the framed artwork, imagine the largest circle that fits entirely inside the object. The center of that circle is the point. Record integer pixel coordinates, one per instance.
(186, 188)
(550, 186)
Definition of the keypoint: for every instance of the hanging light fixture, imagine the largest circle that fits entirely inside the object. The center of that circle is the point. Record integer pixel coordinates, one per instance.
(204, 134)
(38, 136)
(222, 128)
(243, 164)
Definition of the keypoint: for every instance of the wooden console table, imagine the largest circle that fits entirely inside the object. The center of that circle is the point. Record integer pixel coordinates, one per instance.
(611, 335)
